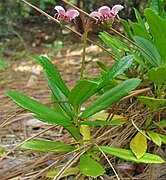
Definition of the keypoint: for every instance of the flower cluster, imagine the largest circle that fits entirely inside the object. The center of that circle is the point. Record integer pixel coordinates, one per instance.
(103, 14)
(64, 16)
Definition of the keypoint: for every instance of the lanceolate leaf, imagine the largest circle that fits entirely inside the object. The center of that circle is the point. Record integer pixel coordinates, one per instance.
(151, 102)
(138, 145)
(38, 108)
(118, 68)
(154, 58)
(157, 29)
(158, 7)
(100, 123)
(163, 138)
(154, 137)
(107, 40)
(47, 146)
(140, 31)
(81, 92)
(128, 155)
(139, 18)
(59, 96)
(158, 75)
(158, 124)
(70, 171)
(52, 72)
(110, 97)
(90, 167)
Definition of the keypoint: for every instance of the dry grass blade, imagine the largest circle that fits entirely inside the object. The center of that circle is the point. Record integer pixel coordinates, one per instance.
(7, 120)
(139, 129)
(5, 155)
(109, 162)
(68, 164)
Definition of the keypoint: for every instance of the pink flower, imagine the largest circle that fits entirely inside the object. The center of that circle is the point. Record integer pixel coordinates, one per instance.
(63, 15)
(104, 13)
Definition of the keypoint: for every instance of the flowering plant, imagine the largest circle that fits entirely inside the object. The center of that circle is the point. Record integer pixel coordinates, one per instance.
(65, 16)
(66, 111)
(107, 15)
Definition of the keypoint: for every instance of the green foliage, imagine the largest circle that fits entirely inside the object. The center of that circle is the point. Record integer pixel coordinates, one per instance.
(52, 73)
(81, 92)
(144, 64)
(154, 58)
(70, 171)
(158, 7)
(43, 112)
(99, 123)
(138, 145)
(110, 97)
(157, 27)
(152, 103)
(128, 155)
(47, 146)
(154, 137)
(90, 167)
(157, 75)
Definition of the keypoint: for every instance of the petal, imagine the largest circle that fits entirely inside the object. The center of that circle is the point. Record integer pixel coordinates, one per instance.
(72, 13)
(104, 10)
(60, 10)
(115, 9)
(95, 14)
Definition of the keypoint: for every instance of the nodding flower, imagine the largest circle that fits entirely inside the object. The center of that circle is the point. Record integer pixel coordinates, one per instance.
(64, 16)
(105, 14)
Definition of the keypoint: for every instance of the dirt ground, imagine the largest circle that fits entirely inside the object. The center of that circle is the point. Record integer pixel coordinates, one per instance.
(26, 76)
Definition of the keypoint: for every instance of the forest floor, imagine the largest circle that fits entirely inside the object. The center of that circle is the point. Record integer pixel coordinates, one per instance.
(25, 75)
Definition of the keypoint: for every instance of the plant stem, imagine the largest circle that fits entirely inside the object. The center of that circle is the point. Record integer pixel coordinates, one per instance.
(86, 28)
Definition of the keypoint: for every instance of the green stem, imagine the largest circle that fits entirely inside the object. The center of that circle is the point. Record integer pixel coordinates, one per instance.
(84, 51)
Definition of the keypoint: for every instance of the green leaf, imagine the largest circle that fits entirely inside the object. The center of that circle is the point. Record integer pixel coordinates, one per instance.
(114, 43)
(81, 92)
(69, 172)
(118, 68)
(157, 29)
(127, 29)
(110, 97)
(110, 44)
(154, 58)
(163, 138)
(99, 123)
(138, 145)
(152, 103)
(138, 59)
(158, 7)
(158, 124)
(53, 73)
(140, 31)
(103, 66)
(103, 116)
(90, 167)
(128, 155)
(139, 18)
(59, 96)
(47, 146)
(38, 108)
(55, 106)
(154, 137)
(158, 75)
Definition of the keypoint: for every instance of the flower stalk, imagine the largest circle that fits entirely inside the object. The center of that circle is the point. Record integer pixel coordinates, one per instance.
(86, 29)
